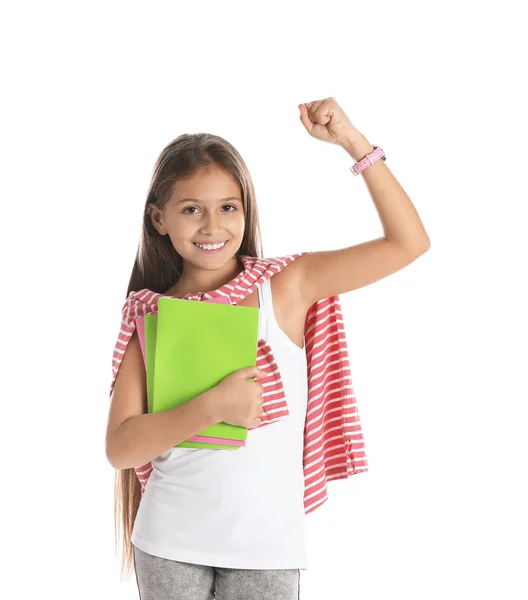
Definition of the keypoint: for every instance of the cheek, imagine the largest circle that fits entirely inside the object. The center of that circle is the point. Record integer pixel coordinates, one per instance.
(181, 225)
(241, 226)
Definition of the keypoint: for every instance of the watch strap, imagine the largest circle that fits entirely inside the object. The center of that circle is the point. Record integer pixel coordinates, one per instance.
(368, 160)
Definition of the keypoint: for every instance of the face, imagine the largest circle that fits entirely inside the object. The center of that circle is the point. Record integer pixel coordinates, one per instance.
(214, 214)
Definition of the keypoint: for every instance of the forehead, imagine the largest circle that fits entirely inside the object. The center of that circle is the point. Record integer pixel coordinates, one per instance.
(208, 185)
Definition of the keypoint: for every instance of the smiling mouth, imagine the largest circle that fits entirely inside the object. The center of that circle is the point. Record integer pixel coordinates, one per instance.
(212, 249)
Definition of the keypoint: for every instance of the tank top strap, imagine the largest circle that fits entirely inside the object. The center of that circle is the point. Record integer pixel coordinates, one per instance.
(265, 300)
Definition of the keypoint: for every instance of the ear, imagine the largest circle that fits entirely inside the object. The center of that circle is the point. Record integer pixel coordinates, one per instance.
(157, 219)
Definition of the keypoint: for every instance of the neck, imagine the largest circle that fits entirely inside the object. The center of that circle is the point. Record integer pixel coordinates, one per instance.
(195, 280)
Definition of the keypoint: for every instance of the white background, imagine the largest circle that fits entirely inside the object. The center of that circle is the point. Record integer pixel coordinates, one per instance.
(92, 92)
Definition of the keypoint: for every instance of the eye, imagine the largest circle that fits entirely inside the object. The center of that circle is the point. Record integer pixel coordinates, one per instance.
(231, 205)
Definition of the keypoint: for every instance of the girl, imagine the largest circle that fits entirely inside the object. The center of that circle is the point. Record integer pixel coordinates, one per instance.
(230, 524)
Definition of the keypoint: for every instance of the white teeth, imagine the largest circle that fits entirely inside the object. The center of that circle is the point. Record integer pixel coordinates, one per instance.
(211, 246)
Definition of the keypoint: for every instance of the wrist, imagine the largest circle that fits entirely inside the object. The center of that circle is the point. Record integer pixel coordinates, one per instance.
(358, 146)
(211, 405)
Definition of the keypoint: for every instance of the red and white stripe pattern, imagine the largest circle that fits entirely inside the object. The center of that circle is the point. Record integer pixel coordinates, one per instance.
(333, 440)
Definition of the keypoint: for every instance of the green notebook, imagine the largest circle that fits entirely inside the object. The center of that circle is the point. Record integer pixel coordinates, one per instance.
(150, 331)
(196, 345)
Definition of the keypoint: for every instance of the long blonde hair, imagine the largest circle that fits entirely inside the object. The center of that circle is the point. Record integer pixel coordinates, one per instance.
(158, 266)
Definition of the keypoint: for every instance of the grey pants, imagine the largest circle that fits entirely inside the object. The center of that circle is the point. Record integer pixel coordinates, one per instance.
(163, 579)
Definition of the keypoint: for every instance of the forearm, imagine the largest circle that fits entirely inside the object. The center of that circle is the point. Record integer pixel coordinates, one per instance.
(398, 216)
(144, 437)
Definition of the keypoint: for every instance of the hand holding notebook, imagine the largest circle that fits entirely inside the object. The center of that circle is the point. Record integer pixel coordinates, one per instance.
(240, 400)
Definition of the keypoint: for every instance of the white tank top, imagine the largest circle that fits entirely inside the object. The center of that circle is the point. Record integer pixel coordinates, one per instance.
(243, 508)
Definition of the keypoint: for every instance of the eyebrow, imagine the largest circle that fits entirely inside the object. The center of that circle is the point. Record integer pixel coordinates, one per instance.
(198, 200)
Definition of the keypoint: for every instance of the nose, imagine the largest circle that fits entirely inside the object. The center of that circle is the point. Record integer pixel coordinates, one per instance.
(210, 224)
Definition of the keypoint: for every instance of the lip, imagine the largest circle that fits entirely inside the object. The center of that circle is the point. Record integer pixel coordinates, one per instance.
(206, 243)
(211, 251)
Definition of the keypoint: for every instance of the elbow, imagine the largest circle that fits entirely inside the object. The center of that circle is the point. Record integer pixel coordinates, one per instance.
(422, 248)
(426, 243)
(111, 455)
(116, 462)
(117, 458)
(116, 448)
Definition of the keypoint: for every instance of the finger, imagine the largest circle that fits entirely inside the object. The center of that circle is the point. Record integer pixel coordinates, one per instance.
(313, 107)
(305, 119)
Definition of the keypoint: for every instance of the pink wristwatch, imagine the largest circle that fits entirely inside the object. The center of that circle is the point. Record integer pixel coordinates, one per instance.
(369, 159)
